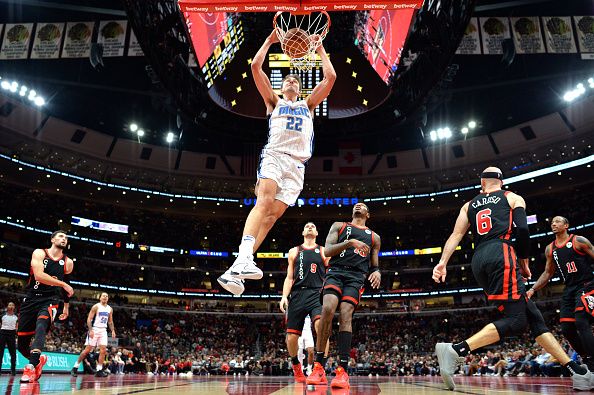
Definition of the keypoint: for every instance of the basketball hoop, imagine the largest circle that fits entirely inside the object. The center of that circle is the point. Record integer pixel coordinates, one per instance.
(300, 35)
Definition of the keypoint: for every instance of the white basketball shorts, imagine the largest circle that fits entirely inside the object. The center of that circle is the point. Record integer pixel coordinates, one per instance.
(286, 171)
(99, 338)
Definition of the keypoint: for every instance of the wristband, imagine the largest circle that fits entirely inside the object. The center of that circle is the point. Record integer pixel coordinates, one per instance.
(374, 269)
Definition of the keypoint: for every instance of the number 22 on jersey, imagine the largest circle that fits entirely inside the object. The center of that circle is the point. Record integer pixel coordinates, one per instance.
(294, 123)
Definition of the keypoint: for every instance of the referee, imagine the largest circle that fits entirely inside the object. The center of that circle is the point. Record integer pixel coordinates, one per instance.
(8, 336)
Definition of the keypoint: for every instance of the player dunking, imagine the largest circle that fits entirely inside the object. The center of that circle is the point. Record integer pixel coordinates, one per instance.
(353, 249)
(301, 291)
(491, 215)
(282, 162)
(99, 318)
(40, 305)
(569, 254)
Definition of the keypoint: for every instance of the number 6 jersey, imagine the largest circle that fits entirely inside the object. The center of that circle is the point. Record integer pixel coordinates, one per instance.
(290, 130)
(490, 217)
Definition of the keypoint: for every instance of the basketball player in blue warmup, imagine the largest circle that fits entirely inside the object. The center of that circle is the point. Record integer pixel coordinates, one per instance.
(495, 217)
(282, 161)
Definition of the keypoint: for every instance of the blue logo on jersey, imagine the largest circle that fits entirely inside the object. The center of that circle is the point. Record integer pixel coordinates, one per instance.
(287, 110)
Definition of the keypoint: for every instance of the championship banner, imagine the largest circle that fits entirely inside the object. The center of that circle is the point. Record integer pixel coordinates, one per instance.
(77, 43)
(16, 41)
(133, 45)
(48, 37)
(206, 6)
(471, 42)
(493, 31)
(527, 35)
(585, 32)
(112, 34)
(558, 34)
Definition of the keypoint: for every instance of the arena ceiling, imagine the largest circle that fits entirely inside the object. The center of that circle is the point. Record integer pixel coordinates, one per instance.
(108, 98)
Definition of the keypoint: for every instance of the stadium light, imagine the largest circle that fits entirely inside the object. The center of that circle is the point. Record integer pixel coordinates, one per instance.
(472, 124)
(447, 133)
(169, 137)
(464, 130)
(140, 132)
(433, 135)
(39, 101)
(133, 127)
(5, 85)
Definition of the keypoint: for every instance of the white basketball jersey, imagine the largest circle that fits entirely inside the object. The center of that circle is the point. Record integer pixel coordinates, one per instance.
(102, 316)
(290, 130)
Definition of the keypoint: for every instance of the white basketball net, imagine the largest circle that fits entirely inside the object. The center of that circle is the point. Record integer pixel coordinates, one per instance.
(314, 26)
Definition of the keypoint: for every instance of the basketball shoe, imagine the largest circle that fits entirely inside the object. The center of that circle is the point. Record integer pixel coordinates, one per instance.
(341, 380)
(448, 360)
(298, 373)
(39, 367)
(29, 374)
(245, 268)
(231, 283)
(317, 376)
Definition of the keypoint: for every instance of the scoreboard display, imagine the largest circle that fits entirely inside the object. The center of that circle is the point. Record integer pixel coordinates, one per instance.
(280, 66)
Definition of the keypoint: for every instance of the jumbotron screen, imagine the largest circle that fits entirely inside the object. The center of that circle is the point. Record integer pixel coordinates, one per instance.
(206, 31)
(383, 38)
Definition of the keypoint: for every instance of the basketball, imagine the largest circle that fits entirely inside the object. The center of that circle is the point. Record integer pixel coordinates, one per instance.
(296, 43)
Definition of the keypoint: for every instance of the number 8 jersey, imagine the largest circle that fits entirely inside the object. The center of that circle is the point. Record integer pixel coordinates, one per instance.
(290, 130)
(490, 217)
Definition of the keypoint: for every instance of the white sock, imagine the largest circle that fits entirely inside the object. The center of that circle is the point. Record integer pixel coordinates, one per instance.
(76, 365)
(99, 367)
(246, 247)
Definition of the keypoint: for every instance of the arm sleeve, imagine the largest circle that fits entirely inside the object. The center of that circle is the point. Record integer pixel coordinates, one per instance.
(522, 244)
(65, 296)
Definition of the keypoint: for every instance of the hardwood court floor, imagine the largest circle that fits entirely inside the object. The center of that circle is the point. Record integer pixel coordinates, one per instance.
(138, 384)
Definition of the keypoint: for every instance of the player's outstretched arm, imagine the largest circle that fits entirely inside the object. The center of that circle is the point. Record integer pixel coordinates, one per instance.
(584, 245)
(260, 78)
(322, 90)
(284, 302)
(546, 276)
(460, 229)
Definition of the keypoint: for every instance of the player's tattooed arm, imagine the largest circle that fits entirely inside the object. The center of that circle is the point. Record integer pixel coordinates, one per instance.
(110, 323)
(333, 247)
(375, 278)
(584, 245)
(546, 276)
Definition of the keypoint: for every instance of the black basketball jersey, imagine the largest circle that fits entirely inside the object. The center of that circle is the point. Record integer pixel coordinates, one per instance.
(573, 265)
(352, 257)
(309, 269)
(490, 217)
(52, 268)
